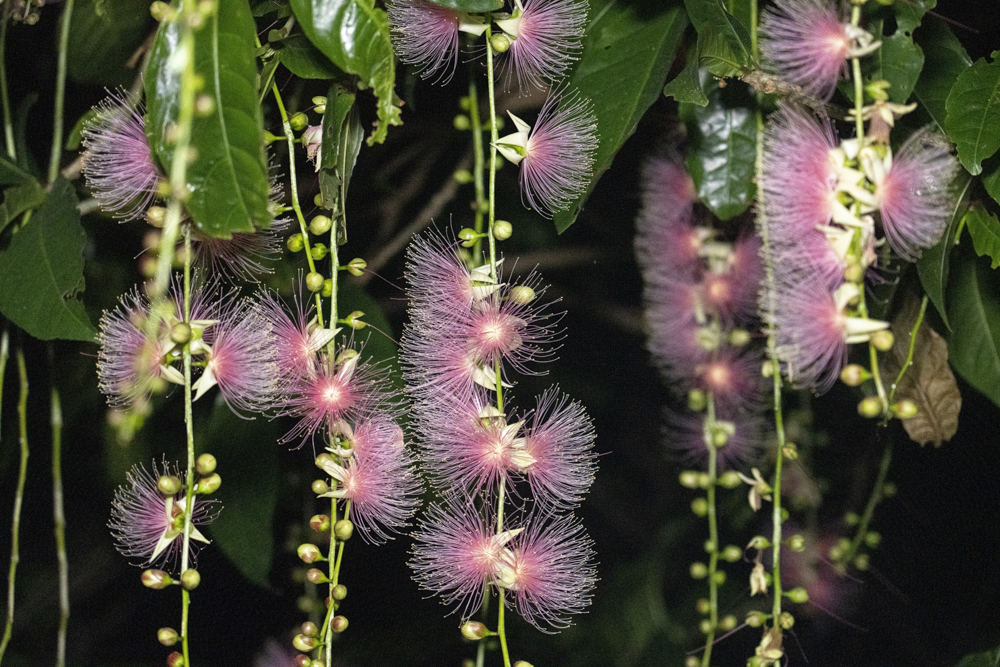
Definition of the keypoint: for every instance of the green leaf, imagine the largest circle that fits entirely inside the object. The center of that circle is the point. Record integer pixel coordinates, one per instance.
(687, 86)
(723, 43)
(723, 138)
(989, 658)
(18, 199)
(304, 60)
(985, 230)
(354, 34)
(974, 310)
(902, 61)
(973, 107)
(626, 58)
(945, 59)
(342, 136)
(471, 6)
(247, 456)
(933, 265)
(10, 173)
(228, 179)
(102, 40)
(910, 13)
(991, 178)
(42, 271)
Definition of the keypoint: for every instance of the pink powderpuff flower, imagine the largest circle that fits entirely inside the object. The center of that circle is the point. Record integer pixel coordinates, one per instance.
(914, 195)
(425, 34)
(242, 257)
(455, 554)
(807, 42)
(295, 339)
(560, 442)
(378, 479)
(556, 155)
(150, 526)
(544, 40)
(674, 316)
(799, 190)
(685, 438)
(734, 379)
(118, 163)
(734, 293)
(548, 568)
(440, 284)
(667, 242)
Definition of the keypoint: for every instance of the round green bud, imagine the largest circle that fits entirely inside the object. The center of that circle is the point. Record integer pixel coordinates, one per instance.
(462, 122)
(319, 486)
(797, 543)
(339, 592)
(905, 409)
(346, 355)
(710, 546)
(318, 251)
(730, 479)
(160, 10)
(204, 105)
(319, 104)
(705, 626)
(759, 542)
(167, 636)
(502, 230)
(883, 340)
(343, 530)
(836, 553)
(319, 522)
(462, 176)
(699, 570)
(318, 200)
(474, 630)
(465, 103)
(309, 553)
(786, 620)
(169, 484)
(797, 595)
(295, 243)
(468, 236)
(719, 437)
(314, 575)
(190, 579)
(271, 138)
(720, 577)
(500, 43)
(175, 659)
(327, 290)
(523, 663)
(851, 518)
(861, 562)
(873, 539)
(321, 224)
(299, 121)
(755, 619)
(697, 400)
(739, 337)
(309, 629)
(209, 484)
(767, 369)
(522, 294)
(699, 506)
(870, 407)
(156, 216)
(853, 375)
(784, 514)
(888, 490)
(338, 624)
(303, 643)
(790, 451)
(732, 553)
(323, 460)
(703, 606)
(357, 266)
(703, 480)
(689, 479)
(205, 465)
(314, 281)
(316, 663)
(727, 623)
(854, 273)
(691, 661)
(302, 660)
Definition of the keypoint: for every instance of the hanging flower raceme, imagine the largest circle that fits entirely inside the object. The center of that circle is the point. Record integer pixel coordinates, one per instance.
(148, 515)
(544, 38)
(426, 35)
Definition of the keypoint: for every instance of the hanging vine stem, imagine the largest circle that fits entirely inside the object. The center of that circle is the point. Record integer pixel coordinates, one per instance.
(713, 529)
(57, 124)
(58, 515)
(189, 431)
(8, 127)
(913, 344)
(873, 501)
(479, 162)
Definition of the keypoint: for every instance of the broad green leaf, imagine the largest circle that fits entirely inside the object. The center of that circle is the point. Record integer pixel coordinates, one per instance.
(627, 55)
(973, 106)
(75, 137)
(991, 177)
(304, 60)
(902, 62)
(10, 173)
(471, 6)
(974, 311)
(723, 43)
(945, 59)
(985, 230)
(723, 138)
(989, 658)
(910, 13)
(247, 455)
(265, 7)
(354, 34)
(18, 199)
(103, 38)
(228, 178)
(933, 265)
(687, 86)
(342, 137)
(42, 271)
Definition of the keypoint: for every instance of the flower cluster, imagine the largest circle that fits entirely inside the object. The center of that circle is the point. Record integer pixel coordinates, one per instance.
(700, 296)
(469, 332)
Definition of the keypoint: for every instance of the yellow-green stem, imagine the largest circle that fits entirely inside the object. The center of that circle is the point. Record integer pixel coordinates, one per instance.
(873, 501)
(713, 530)
(479, 162)
(57, 121)
(189, 432)
(913, 344)
(22, 476)
(59, 518)
(8, 125)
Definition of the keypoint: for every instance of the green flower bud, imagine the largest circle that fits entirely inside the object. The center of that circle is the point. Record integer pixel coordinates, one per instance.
(167, 636)
(156, 216)
(797, 595)
(319, 522)
(502, 230)
(854, 273)
(327, 290)
(755, 619)
(500, 42)
(703, 606)
(295, 243)
(338, 624)
(697, 400)
(205, 465)
(853, 375)
(703, 480)
(851, 518)
(883, 340)
(209, 484)
(314, 281)
(888, 490)
(168, 484)
(705, 626)
(786, 620)
(318, 200)
(321, 224)
(309, 629)
(691, 661)
(318, 251)
(299, 122)
(204, 105)
(732, 553)
(339, 592)
(720, 577)
(303, 643)
(314, 575)
(870, 407)
(354, 320)
(175, 659)
(462, 122)
(474, 630)
(357, 266)
(463, 176)
(699, 506)
(861, 562)
(302, 660)
(797, 543)
(709, 546)
(905, 409)
(522, 294)
(319, 486)
(323, 460)
(271, 138)
(161, 11)
(727, 623)
(730, 479)
(190, 579)
(343, 530)
(319, 104)
(523, 663)
(873, 539)
(468, 237)
(689, 479)
(759, 542)
(699, 570)
(309, 553)
(790, 451)
(739, 337)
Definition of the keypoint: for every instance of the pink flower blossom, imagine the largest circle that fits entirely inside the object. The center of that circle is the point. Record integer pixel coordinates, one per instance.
(673, 310)
(118, 163)
(296, 342)
(667, 242)
(544, 40)
(734, 379)
(807, 43)
(426, 35)
(243, 256)
(150, 526)
(685, 438)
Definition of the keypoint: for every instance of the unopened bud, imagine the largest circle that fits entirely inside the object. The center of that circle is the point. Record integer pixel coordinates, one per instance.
(323, 460)
(727, 623)
(853, 375)
(692, 661)
(156, 579)
(719, 577)
(854, 273)
(790, 451)
(786, 620)
(175, 659)
(156, 216)
(689, 479)
(461, 122)
(343, 530)
(319, 522)
(905, 409)
(699, 506)
(797, 595)
(319, 486)
(302, 660)
(321, 224)
(705, 626)
(314, 281)
(299, 121)
(873, 539)
(739, 337)
(755, 619)
(354, 320)
(357, 266)
(502, 230)
(758, 542)
(338, 624)
(699, 570)
(314, 575)
(205, 465)
(861, 562)
(303, 643)
(327, 290)
(204, 105)
(318, 251)
(468, 237)
(703, 606)
(732, 553)
(309, 553)
(295, 243)
(500, 43)
(523, 663)
(167, 636)
(870, 407)
(888, 490)
(168, 484)
(719, 437)
(883, 340)
(309, 629)
(797, 543)
(697, 400)
(522, 294)
(339, 592)
(319, 104)
(190, 579)
(730, 479)
(160, 10)
(209, 484)
(474, 630)
(462, 176)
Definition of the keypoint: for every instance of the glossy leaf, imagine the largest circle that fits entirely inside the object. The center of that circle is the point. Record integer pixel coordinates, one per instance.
(42, 271)
(723, 43)
(944, 60)
(304, 60)
(10, 173)
(342, 136)
(910, 13)
(901, 61)
(248, 464)
(985, 231)
(933, 265)
(228, 178)
(18, 199)
(686, 87)
(723, 139)
(973, 106)
(991, 177)
(354, 34)
(471, 6)
(974, 310)
(103, 37)
(626, 58)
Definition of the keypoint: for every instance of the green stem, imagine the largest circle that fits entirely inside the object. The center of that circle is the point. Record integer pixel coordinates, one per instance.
(859, 99)
(873, 501)
(59, 518)
(57, 123)
(15, 553)
(913, 344)
(8, 127)
(189, 431)
(713, 530)
(479, 163)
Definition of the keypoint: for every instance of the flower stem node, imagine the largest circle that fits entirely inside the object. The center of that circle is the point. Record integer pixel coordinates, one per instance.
(732, 553)
(697, 400)
(319, 522)
(314, 575)
(356, 266)
(797, 595)
(500, 43)
(339, 592)
(314, 281)
(883, 340)
(309, 553)
(870, 407)
(205, 465)
(755, 619)
(461, 122)
(295, 243)
(699, 506)
(521, 295)
(338, 624)
(309, 629)
(318, 251)
(699, 570)
(169, 484)
(299, 122)
(853, 375)
(321, 224)
(905, 409)
(304, 643)
(167, 636)
(730, 479)
(190, 579)
(319, 487)
(175, 659)
(209, 484)
(343, 530)
(474, 631)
